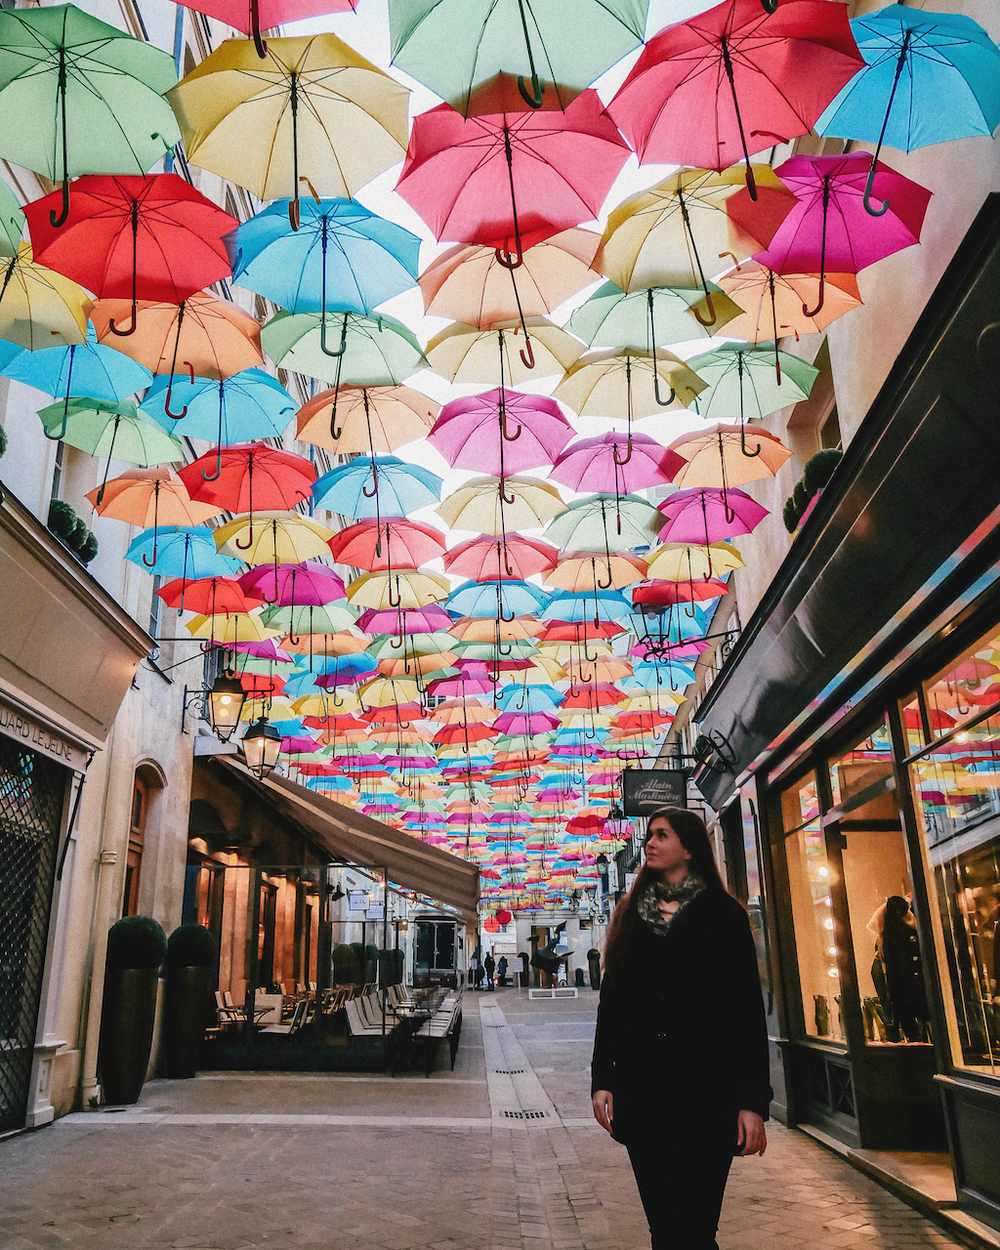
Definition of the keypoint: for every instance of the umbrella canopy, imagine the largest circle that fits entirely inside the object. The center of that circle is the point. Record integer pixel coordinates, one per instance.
(742, 381)
(616, 462)
(38, 305)
(11, 221)
(603, 523)
(490, 46)
(628, 384)
(511, 179)
(188, 554)
(500, 431)
(248, 476)
(486, 559)
(471, 285)
(735, 80)
(248, 405)
(612, 318)
(250, 16)
(776, 304)
(272, 537)
(584, 571)
(343, 256)
(147, 497)
(81, 97)
(462, 353)
(363, 351)
(211, 596)
(367, 487)
(684, 562)
(313, 108)
(127, 237)
(707, 515)
(391, 544)
(490, 505)
(309, 584)
(505, 599)
(367, 419)
(401, 588)
(80, 369)
(728, 455)
(119, 430)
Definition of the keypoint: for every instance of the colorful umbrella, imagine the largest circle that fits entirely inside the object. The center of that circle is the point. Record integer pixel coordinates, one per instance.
(212, 596)
(128, 237)
(734, 81)
(188, 554)
(583, 571)
(486, 559)
(612, 318)
(312, 99)
(830, 228)
(491, 45)
(462, 353)
(490, 505)
(742, 381)
(37, 304)
(369, 351)
(616, 463)
(147, 496)
(81, 97)
(250, 16)
(248, 405)
(511, 179)
(309, 584)
(372, 419)
(368, 486)
(627, 384)
(500, 431)
(248, 476)
(728, 455)
(392, 543)
(602, 523)
(706, 515)
(928, 78)
(273, 538)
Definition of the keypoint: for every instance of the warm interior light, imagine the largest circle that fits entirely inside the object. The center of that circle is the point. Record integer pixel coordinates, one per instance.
(225, 703)
(261, 747)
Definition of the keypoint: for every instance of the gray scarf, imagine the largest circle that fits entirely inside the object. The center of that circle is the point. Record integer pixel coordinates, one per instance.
(681, 892)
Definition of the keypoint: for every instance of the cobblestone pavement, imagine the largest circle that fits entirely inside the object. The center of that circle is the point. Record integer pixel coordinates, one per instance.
(376, 1163)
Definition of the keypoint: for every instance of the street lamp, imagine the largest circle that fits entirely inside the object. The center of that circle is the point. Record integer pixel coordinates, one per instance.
(222, 704)
(261, 747)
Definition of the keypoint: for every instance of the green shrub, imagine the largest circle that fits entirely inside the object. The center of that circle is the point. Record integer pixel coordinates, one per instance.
(819, 469)
(192, 946)
(136, 942)
(3, 440)
(89, 548)
(62, 519)
(791, 515)
(345, 965)
(78, 537)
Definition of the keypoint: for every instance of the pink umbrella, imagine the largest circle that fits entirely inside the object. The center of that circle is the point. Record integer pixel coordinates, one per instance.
(830, 230)
(487, 559)
(308, 584)
(404, 621)
(709, 515)
(299, 746)
(500, 432)
(616, 462)
(525, 723)
(474, 678)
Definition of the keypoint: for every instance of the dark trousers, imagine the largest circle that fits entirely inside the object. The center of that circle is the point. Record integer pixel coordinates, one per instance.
(681, 1177)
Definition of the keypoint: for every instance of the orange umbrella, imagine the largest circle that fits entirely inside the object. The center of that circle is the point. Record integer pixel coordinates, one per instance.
(202, 336)
(469, 284)
(372, 420)
(150, 497)
(728, 455)
(587, 570)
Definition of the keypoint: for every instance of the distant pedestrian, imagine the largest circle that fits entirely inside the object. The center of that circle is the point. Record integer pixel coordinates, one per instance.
(680, 1068)
(502, 969)
(489, 966)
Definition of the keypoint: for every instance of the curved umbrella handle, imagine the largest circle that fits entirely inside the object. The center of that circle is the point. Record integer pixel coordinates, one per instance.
(510, 438)
(750, 455)
(505, 649)
(336, 700)
(504, 617)
(812, 312)
(123, 334)
(874, 212)
(614, 453)
(664, 403)
(510, 260)
(214, 477)
(59, 219)
(343, 340)
(533, 99)
(395, 601)
(769, 6)
(601, 585)
(529, 360)
(247, 545)
(371, 494)
(713, 315)
(149, 563)
(176, 416)
(511, 499)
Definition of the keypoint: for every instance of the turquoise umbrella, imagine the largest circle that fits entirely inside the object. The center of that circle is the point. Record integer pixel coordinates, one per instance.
(610, 318)
(376, 486)
(186, 552)
(247, 406)
(742, 381)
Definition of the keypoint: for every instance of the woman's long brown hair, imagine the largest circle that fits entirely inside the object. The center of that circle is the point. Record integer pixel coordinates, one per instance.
(693, 836)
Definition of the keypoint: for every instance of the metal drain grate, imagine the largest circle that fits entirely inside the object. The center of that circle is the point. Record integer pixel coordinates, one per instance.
(524, 1115)
(508, 1071)
(494, 1026)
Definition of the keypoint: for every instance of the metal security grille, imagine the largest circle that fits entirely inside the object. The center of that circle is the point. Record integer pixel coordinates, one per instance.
(31, 796)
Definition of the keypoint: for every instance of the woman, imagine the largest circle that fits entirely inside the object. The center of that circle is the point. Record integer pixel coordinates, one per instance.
(680, 1068)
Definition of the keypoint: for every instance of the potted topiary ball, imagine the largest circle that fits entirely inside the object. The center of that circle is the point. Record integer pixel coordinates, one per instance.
(191, 971)
(136, 946)
(345, 964)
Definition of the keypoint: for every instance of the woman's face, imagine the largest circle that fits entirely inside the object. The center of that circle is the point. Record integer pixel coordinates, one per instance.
(665, 853)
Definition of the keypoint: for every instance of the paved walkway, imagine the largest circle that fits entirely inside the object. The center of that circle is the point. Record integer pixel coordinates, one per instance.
(368, 1162)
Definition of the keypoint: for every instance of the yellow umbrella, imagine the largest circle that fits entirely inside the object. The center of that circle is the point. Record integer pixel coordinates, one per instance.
(683, 562)
(573, 718)
(272, 537)
(469, 284)
(490, 505)
(388, 691)
(277, 708)
(650, 702)
(586, 570)
(402, 588)
(568, 652)
(39, 307)
(313, 110)
(324, 704)
(370, 420)
(614, 383)
(344, 643)
(463, 353)
(675, 233)
(728, 455)
(230, 627)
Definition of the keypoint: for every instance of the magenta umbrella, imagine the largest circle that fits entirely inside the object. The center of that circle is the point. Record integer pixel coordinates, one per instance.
(308, 584)
(619, 463)
(500, 432)
(299, 746)
(473, 678)
(709, 515)
(401, 621)
(525, 723)
(829, 230)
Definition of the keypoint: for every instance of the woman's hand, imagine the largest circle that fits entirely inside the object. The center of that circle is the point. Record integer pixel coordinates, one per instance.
(751, 1139)
(604, 1108)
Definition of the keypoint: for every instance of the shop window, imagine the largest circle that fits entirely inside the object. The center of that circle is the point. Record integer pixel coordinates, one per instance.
(862, 769)
(915, 726)
(956, 789)
(965, 689)
(799, 804)
(136, 841)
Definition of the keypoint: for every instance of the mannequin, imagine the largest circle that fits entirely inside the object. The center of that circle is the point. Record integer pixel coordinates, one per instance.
(903, 970)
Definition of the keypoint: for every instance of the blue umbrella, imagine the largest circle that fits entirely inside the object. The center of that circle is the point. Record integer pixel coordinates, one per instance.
(376, 486)
(10, 351)
(504, 599)
(342, 258)
(239, 409)
(928, 78)
(181, 551)
(88, 369)
(518, 698)
(606, 605)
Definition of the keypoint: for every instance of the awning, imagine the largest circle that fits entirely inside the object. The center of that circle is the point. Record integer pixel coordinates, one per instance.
(359, 839)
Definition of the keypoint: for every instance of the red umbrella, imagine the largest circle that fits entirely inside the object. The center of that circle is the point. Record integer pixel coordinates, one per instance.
(509, 180)
(392, 543)
(734, 81)
(309, 584)
(829, 229)
(130, 237)
(575, 631)
(666, 594)
(500, 432)
(209, 595)
(709, 515)
(248, 476)
(486, 559)
(617, 462)
(250, 16)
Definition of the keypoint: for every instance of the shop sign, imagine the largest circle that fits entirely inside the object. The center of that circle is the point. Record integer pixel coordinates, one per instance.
(646, 789)
(375, 913)
(357, 900)
(31, 733)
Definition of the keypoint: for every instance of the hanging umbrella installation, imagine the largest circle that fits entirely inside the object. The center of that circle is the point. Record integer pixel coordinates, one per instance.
(372, 420)
(38, 305)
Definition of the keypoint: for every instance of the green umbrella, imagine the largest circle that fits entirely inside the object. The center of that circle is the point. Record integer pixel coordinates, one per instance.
(310, 618)
(117, 430)
(371, 351)
(81, 97)
(610, 318)
(741, 381)
(534, 40)
(604, 523)
(11, 222)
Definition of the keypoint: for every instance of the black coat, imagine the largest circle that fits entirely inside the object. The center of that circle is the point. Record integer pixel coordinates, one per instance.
(681, 1029)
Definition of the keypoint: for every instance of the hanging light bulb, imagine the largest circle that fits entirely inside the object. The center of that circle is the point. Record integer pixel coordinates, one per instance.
(225, 703)
(261, 747)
